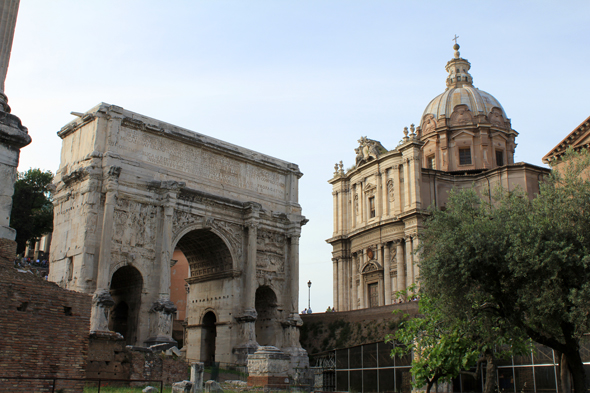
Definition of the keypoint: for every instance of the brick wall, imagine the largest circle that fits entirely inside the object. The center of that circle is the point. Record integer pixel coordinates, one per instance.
(109, 357)
(7, 252)
(43, 331)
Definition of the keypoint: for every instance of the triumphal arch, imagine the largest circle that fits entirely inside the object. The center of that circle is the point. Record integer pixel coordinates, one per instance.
(132, 190)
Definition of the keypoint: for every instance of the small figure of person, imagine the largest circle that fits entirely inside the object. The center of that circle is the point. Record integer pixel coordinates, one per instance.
(304, 311)
(328, 309)
(309, 310)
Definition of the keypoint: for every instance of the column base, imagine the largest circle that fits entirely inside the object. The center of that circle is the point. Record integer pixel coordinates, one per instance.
(163, 342)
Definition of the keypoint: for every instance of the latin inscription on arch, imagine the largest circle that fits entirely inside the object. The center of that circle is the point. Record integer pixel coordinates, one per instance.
(200, 162)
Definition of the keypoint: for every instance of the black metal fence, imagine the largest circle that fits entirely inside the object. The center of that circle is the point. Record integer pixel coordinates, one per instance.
(66, 385)
(370, 368)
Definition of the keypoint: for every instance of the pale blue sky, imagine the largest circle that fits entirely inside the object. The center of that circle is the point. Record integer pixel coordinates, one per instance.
(299, 80)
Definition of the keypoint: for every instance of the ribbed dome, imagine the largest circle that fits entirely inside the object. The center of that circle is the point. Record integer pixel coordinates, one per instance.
(478, 102)
(460, 90)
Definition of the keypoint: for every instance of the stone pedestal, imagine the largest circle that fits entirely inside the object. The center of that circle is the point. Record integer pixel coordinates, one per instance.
(249, 345)
(268, 368)
(197, 370)
(102, 302)
(161, 315)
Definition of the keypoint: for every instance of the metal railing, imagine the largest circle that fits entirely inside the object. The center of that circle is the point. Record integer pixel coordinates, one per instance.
(54, 381)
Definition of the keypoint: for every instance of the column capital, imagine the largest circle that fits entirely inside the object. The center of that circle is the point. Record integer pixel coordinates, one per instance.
(252, 224)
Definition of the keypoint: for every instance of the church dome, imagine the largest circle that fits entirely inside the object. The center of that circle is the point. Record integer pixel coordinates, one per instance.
(460, 91)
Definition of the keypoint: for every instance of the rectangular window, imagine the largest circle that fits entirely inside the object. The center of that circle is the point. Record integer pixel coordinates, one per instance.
(499, 157)
(465, 156)
(372, 207)
(430, 163)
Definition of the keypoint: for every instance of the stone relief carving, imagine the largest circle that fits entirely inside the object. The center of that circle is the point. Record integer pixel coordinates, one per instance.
(391, 190)
(368, 150)
(428, 124)
(135, 224)
(232, 232)
(271, 251)
(461, 115)
(356, 204)
(181, 219)
(495, 117)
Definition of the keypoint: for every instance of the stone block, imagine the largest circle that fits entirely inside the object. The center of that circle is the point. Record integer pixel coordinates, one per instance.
(182, 387)
(150, 389)
(212, 387)
(268, 367)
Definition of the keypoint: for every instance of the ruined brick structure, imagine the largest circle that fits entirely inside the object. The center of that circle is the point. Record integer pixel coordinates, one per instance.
(44, 330)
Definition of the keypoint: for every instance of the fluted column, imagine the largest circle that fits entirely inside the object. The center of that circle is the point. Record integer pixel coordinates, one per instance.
(407, 183)
(8, 14)
(385, 208)
(386, 275)
(342, 195)
(336, 219)
(361, 279)
(401, 266)
(416, 244)
(355, 276)
(341, 284)
(336, 284)
(397, 203)
(250, 276)
(102, 300)
(409, 262)
(416, 171)
(294, 267)
(163, 309)
(379, 197)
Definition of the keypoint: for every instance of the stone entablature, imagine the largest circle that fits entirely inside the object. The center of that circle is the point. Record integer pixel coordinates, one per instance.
(131, 189)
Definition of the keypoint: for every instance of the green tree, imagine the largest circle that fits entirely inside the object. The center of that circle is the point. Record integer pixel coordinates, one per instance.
(32, 208)
(445, 345)
(525, 262)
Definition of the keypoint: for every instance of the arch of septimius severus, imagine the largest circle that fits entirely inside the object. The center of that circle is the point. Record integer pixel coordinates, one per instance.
(131, 190)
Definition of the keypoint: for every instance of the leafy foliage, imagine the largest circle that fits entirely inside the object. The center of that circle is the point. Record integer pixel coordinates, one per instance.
(32, 208)
(446, 345)
(524, 263)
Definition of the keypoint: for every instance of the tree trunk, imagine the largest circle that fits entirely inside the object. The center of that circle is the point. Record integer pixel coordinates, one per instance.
(490, 372)
(564, 375)
(576, 367)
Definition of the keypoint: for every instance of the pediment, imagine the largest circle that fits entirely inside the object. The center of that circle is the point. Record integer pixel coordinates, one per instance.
(463, 132)
(371, 266)
(499, 134)
(578, 138)
(583, 140)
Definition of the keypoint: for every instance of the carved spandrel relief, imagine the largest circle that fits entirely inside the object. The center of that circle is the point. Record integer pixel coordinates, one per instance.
(135, 224)
(182, 219)
(271, 251)
(232, 232)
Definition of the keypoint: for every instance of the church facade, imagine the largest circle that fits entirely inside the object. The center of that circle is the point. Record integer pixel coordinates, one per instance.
(464, 139)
